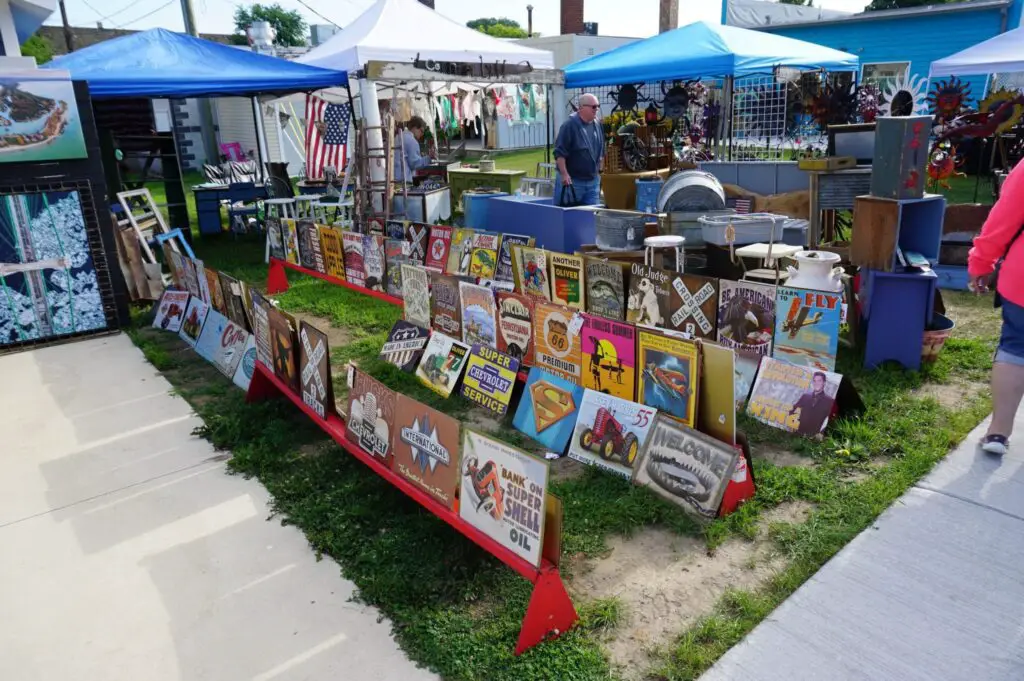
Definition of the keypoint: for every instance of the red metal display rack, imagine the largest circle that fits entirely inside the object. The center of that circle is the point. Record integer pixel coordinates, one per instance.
(550, 612)
(277, 281)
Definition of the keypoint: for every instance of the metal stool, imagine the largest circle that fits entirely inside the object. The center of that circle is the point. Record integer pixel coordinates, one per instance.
(304, 206)
(769, 254)
(280, 208)
(653, 243)
(320, 211)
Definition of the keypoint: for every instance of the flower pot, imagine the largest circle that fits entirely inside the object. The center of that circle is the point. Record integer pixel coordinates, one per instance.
(935, 337)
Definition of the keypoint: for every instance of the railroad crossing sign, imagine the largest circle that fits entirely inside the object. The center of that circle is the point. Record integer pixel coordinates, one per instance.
(311, 370)
(691, 305)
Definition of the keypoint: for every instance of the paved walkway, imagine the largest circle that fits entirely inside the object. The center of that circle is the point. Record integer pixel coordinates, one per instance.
(127, 552)
(933, 591)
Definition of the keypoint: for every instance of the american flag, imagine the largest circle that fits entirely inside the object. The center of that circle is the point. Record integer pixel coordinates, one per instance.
(326, 135)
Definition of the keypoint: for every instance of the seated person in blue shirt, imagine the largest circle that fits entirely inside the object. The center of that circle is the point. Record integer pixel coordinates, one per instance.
(579, 148)
(407, 150)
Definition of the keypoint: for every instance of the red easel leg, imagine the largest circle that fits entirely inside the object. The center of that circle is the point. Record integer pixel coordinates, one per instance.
(277, 279)
(260, 387)
(550, 612)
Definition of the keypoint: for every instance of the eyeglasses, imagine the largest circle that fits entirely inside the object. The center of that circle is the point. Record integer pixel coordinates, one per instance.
(590, 106)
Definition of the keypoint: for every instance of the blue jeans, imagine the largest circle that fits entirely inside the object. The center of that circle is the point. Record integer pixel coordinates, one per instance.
(588, 192)
(1011, 341)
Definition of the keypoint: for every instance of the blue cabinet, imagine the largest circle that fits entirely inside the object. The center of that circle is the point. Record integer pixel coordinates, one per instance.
(897, 307)
(881, 225)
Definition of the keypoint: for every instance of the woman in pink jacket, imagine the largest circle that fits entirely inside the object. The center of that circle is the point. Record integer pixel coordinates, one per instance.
(1000, 240)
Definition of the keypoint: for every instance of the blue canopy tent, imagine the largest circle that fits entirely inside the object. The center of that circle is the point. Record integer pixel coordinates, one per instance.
(160, 63)
(700, 50)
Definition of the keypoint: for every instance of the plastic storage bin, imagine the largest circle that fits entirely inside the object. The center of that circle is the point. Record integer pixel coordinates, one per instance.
(686, 224)
(751, 228)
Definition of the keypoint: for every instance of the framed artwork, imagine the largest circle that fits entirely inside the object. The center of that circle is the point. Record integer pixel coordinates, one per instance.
(48, 282)
(39, 118)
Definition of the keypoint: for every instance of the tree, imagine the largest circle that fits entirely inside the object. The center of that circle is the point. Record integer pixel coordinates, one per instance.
(499, 28)
(289, 24)
(902, 4)
(39, 47)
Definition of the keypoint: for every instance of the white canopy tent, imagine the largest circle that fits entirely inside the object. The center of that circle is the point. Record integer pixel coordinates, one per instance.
(1001, 54)
(406, 30)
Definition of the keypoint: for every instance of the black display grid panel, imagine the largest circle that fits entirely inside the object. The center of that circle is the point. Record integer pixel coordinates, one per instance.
(86, 177)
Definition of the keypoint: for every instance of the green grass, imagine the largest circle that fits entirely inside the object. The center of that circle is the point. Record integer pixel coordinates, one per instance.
(458, 611)
(525, 160)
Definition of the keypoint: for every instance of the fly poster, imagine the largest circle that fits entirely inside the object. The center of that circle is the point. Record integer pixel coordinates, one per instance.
(807, 327)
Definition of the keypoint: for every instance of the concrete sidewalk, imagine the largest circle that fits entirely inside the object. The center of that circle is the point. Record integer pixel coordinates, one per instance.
(934, 590)
(127, 552)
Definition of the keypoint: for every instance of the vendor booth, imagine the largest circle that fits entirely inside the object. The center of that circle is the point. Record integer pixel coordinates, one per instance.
(162, 64)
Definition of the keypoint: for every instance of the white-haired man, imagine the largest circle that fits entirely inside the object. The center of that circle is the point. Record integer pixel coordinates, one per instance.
(579, 148)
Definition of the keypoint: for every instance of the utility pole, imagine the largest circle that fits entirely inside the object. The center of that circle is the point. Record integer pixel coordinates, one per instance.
(529, 21)
(69, 38)
(205, 109)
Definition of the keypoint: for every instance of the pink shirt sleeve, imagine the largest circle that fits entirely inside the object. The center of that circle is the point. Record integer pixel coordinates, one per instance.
(1003, 222)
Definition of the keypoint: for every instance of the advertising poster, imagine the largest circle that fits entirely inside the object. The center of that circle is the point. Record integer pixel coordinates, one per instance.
(170, 311)
(530, 267)
(515, 326)
(460, 254)
(606, 288)
(191, 277)
(425, 446)
(445, 305)
(688, 468)
(557, 337)
(797, 399)
(693, 305)
(233, 300)
(209, 338)
(547, 409)
(490, 378)
(609, 356)
(396, 254)
(503, 494)
(373, 261)
(333, 254)
(247, 366)
(443, 360)
(310, 255)
(668, 375)
(416, 295)
(222, 343)
(438, 248)
(275, 237)
(355, 268)
(484, 260)
(39, 118)
(717, 405)
(214, 287)
(746, 316)
(202, 282)
(649, 297)
(315, 370)
(290, 235)
(371, 417)
(610, 432)
(567, 281)
(404, 345)
(504, 272)
(745, 372)
(192, 324)
(479, 314)
(283, 350)
(261, 328)
(807, 327)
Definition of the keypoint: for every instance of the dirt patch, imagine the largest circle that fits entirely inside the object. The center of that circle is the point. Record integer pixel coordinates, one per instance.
(790, 512)
(665, 582)
(973, 315)
(781, 457)
(950, 395)
(336, 336)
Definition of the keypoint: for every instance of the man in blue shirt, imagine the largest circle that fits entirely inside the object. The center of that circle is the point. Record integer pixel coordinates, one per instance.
(407, 150)
(579, 148)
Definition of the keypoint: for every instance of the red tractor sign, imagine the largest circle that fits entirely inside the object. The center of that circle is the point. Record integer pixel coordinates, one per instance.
(610, 439)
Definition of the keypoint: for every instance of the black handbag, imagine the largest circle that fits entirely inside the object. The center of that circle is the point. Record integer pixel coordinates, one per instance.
(997, 300)
(573, 201)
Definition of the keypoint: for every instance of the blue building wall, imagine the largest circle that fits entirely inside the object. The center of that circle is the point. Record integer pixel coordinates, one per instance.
(919, 39)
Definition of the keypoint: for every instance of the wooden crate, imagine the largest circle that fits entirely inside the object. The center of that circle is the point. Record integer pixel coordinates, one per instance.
(880, 225)
(901, 153)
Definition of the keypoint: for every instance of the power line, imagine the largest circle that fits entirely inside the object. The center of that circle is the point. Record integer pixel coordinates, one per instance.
(112, 14)
(133, 21)
(303, 3)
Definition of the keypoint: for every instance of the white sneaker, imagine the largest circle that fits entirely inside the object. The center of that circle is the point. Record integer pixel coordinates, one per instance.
(994, 444)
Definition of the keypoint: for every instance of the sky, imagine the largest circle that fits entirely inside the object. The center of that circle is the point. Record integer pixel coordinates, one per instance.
(637, 18)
